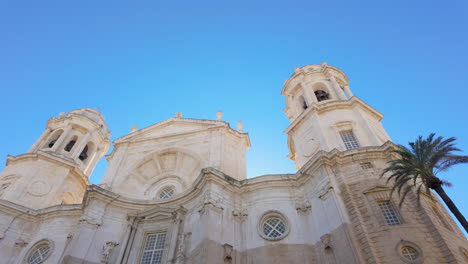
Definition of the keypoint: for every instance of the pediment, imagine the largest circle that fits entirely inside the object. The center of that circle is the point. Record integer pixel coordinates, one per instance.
(160, 213)
(171, 127)
(378, 188)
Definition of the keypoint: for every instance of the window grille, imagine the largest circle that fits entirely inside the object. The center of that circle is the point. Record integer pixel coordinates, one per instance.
(39, 254)
(166, 193)
(349, 140)
(366, 165)
(409, 253)
(389, 213)
(274, 227)
(153, 248)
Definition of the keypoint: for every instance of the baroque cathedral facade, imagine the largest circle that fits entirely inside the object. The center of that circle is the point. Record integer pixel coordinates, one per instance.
(177, 192)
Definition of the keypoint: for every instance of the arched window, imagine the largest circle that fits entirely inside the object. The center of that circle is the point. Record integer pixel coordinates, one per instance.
(321, 95)
(39, 252)
(84, 153)
(70, 144)
(54, 138)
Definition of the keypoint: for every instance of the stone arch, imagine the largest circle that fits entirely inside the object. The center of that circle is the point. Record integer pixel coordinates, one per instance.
(321, 91)
(52, 139)
(171, 166)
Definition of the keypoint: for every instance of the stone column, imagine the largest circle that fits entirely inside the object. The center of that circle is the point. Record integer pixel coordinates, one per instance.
(80, 145)
(62, 138)
(348, 91)
(336, 87)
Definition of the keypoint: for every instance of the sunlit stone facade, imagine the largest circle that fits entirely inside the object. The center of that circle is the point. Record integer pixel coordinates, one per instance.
(177, 192)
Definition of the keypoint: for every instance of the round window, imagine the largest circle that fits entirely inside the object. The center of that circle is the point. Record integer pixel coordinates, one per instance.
(409, 253)
(39, 253)
(166, 193)
(273, 226)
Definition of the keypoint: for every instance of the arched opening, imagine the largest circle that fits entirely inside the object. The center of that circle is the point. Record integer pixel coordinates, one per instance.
(321, 95)
(70, 144)
(321, 92)
(86, 152)
(53, 139)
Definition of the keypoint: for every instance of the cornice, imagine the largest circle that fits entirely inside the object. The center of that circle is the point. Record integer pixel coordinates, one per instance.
(38, 214)
(300, 72)
(171, 120)
(103, 133)
(216, 125)
(207, 176)
(62, 161)
(332, 105)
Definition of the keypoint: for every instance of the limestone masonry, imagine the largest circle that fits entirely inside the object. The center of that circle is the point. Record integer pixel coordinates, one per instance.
(177, 192)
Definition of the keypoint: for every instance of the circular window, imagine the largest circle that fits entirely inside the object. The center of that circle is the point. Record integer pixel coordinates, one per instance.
(39, 253)
(166, 193)
(273, 226)
(409, 252)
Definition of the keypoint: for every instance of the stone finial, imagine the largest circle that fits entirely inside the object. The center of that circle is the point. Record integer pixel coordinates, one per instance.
(134, 128)
(239, 126)
(219, 115)
(62, 115)
(178, 114)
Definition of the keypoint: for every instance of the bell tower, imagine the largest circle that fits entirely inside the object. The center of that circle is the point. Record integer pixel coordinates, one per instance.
(325, 115)
(57, 166)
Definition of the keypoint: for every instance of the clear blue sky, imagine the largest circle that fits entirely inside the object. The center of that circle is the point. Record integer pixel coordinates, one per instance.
(140, 62)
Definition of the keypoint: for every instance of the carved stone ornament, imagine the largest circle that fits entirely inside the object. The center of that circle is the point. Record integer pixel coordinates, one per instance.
(240, 214)
(107, 250)
(227, 253)
(323, 193)
(20, 242)
(303, 206)
(85, 219)
(212, 201)
(181, 248)
(326, 241)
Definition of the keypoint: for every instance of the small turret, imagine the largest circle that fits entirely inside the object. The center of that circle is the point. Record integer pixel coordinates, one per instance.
(57, 166)
(325, 115)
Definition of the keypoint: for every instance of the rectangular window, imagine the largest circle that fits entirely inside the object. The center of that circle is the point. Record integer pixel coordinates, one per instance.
(153, 248)
(389, 213)
(349, 140)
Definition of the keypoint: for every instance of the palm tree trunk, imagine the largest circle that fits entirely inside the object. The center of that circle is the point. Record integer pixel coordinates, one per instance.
(453, 208)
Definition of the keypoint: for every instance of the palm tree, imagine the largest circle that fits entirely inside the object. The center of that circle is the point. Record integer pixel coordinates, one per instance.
(417, 167)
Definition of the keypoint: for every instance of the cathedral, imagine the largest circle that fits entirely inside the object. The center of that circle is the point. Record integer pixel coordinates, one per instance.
(177, 192)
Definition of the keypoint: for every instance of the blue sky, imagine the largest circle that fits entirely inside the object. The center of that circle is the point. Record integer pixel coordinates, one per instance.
(139, 62)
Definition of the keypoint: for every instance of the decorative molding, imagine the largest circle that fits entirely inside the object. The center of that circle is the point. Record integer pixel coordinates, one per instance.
(213, 201)
(303, 206)
(324, 191)
(20, 242)
(240, 214)
(326, 241)
(85, 219)
(107, 251)
(181, 248)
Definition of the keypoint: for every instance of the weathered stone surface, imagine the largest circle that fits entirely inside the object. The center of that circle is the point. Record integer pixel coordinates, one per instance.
(182, 182)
